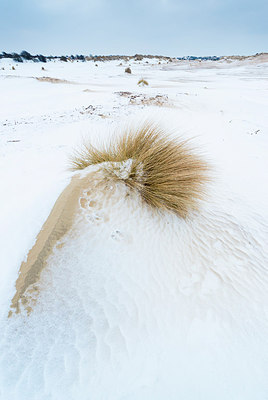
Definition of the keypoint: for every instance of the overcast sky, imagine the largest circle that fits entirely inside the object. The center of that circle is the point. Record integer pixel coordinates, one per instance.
(166, 27)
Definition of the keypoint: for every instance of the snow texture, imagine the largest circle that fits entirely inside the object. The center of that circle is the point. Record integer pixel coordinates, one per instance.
(133, 303)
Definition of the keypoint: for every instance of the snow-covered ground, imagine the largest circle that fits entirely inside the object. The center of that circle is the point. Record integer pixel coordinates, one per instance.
(44, 114)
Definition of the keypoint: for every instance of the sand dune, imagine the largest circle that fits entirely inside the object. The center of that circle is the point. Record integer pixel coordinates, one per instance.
(110, 298)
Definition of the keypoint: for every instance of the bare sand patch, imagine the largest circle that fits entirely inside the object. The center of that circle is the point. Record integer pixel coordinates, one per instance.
(54, 80)
(145, 100)
(255, 59)
(58, 223)
(158, 100)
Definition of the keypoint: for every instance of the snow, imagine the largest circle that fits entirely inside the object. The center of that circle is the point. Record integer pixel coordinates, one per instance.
(136, 305)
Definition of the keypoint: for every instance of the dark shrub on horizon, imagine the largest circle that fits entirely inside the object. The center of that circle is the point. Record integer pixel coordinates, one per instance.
(27, 56)
(16, 57)
(81, 57)
(42, 58)
(6, 55)
(138, 57)
(63, 58)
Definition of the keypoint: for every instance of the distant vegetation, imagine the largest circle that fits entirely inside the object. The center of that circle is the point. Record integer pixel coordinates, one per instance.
(26, 56)
(205, 58)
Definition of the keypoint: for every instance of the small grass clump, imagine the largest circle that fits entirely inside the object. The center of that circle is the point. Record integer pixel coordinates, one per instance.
(143, 82)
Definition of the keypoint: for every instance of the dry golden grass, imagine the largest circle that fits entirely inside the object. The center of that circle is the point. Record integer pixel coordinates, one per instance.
(166, 172)
(143, 82)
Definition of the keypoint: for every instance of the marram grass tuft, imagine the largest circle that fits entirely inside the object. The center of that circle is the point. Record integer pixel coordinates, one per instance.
(142, 82)
(166, 172)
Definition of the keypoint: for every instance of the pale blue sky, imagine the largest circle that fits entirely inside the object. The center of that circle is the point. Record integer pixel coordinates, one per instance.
(167, 27)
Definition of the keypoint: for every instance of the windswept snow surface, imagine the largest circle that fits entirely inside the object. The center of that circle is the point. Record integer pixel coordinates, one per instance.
(134, 304)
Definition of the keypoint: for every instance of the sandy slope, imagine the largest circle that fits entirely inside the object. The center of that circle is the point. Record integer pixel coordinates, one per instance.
(132, 304)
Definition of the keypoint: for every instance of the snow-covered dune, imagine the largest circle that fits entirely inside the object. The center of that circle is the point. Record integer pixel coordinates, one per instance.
(127, 301)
